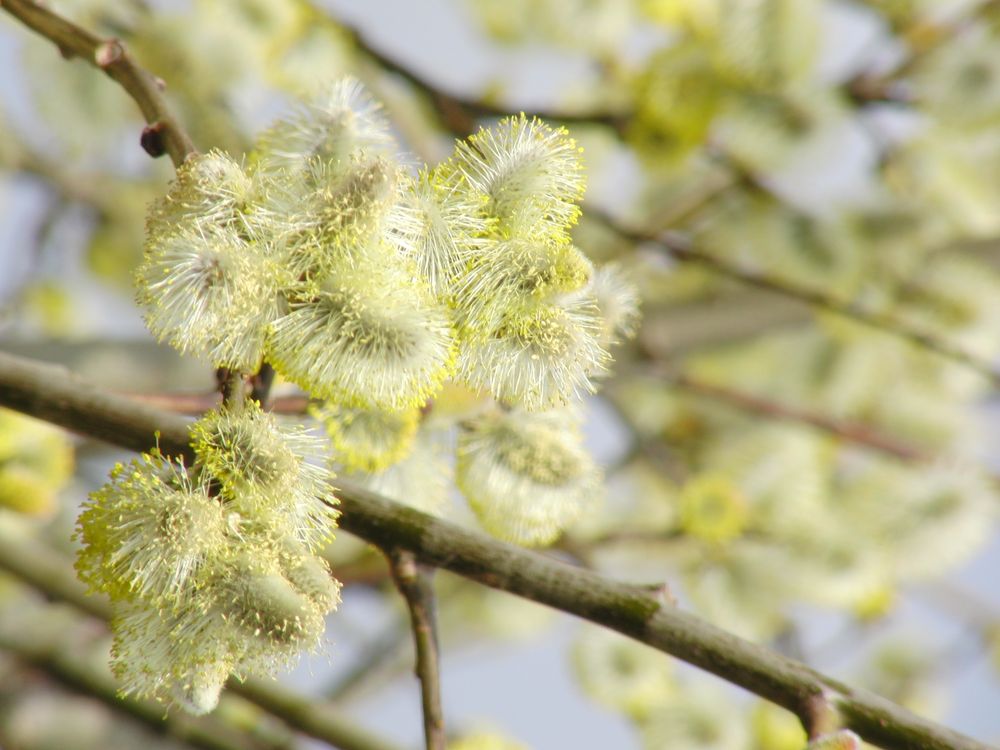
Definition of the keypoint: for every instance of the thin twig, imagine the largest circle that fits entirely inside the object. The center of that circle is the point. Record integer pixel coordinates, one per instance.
(417, 589)
(851, 432)
(682, 250)
(164, 132)
(459, 113)
(53, 394)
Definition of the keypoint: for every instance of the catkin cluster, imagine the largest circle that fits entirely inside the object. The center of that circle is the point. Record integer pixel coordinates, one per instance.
(369, 286)
(212, 568)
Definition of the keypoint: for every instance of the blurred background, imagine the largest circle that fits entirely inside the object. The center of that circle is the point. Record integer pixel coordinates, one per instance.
(820, 485)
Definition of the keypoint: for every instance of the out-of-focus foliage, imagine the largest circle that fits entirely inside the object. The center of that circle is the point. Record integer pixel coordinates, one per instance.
(36, 460)
(762, 133)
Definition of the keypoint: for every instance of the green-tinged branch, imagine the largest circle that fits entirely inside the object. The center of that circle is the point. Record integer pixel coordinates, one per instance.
(53, 394)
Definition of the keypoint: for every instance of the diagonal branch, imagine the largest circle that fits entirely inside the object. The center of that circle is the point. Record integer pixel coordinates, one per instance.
(459, 113)
(850, 432)
(53, 394)
(417, 588)
(164, 133)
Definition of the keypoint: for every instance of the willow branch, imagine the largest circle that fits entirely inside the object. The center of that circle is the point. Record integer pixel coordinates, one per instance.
(164, 132)
(53, 394)
(417, 589)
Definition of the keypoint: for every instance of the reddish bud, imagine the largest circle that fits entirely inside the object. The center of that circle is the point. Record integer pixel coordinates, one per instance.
(152, 141)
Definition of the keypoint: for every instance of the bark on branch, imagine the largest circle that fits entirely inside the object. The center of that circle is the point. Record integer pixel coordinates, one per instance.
(54, 394)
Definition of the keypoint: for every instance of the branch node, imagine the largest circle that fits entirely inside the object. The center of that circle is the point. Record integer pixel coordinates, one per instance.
(819, 716)
(405, 566)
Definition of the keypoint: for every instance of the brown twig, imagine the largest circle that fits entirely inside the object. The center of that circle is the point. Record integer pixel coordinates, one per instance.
(164, 133)
(199, 403)
(53, 394)
(459, 113)
(851, 432)
(417, 589)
